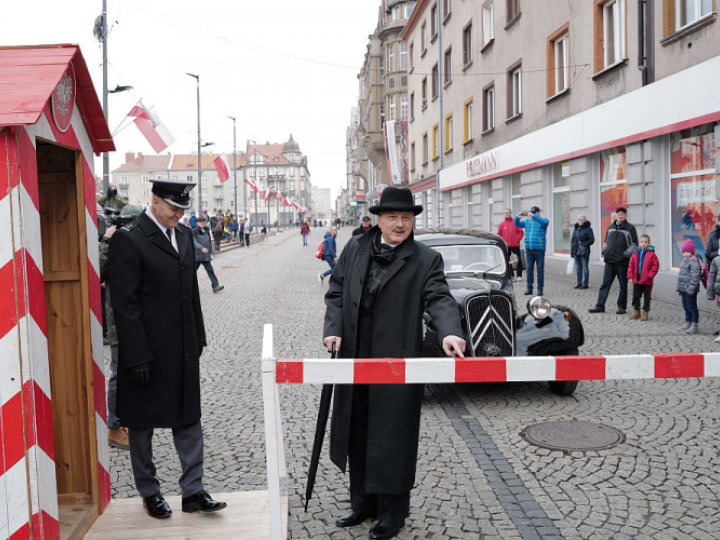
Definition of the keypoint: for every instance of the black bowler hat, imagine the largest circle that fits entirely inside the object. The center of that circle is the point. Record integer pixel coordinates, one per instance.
(173, 191)
(366, 218)
(398, 200)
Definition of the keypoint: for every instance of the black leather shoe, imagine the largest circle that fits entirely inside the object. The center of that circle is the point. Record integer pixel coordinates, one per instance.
(201, 502)
(157, 507)
(352, 518)
(621, 311)
(384, 530)
(596, 309)
(528, 293)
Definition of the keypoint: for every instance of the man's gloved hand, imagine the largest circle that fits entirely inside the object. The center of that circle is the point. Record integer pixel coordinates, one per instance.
(141, 374)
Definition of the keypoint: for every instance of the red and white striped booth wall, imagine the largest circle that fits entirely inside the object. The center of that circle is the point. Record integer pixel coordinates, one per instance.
(28, 492)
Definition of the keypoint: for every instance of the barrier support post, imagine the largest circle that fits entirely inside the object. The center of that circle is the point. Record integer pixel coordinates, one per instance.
(273, 435)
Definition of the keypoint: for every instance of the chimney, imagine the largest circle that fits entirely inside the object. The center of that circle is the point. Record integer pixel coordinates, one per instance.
(129, 156)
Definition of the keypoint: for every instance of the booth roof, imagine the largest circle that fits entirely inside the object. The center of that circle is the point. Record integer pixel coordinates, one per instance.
(29, 75)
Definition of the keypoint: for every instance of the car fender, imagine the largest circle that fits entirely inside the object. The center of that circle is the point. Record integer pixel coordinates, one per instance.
(552, 335)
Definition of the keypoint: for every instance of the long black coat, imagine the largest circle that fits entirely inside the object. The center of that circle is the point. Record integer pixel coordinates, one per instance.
(582, 239)
(415, 283)
(158, 317)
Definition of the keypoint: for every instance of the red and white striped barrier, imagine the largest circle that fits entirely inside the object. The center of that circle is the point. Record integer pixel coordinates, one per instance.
(478, 370)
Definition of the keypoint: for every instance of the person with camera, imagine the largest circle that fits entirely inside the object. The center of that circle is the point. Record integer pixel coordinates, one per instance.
(156, 301)
(535, 242)
(111, 200)
(203, 252)
(117, 434)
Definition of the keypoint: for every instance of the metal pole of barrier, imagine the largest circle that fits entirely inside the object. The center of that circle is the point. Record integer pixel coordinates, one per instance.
(273, 435)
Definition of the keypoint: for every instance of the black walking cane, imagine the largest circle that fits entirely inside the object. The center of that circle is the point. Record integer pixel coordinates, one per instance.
(323, 413)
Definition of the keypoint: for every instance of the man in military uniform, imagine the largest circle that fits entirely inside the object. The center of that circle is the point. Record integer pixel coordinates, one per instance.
(156, 302)
(111, 199)
(379, 290)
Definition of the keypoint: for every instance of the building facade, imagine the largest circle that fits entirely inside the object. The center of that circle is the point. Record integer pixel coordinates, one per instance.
(132, 178)
(577, 109)
(322, 204)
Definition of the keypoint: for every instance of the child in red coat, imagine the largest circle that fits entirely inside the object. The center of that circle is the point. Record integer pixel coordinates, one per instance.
(644, 266)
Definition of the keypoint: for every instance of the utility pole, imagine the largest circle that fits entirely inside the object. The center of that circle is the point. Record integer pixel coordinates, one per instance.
(106, 155)
(237, 213)
(441, 131)
(199, 149)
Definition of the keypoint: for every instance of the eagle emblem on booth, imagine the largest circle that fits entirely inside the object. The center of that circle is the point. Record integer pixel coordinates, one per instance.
(62, 100)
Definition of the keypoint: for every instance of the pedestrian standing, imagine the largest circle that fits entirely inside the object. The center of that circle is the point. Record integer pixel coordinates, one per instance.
(247, 230)
(241, 231)
(644, 266)
(193, 220)
(305, 231)
(161, 335)
(365, 226)
(233, 226)
(688, 286)
(621, 241)
(513, 236)
(713, 285)
(218, 232)
(382, 285)
(582, 238)
(203, 252)
(329, 253)
(535, 241)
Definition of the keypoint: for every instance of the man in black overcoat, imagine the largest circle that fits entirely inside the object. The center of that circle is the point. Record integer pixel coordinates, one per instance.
(383, 283)
(161, 336)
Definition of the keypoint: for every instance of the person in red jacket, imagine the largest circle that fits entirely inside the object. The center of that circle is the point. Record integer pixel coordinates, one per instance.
(512, 236)
(644, 266)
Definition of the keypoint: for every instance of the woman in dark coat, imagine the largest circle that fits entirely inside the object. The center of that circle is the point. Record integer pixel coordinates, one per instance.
(582, 239)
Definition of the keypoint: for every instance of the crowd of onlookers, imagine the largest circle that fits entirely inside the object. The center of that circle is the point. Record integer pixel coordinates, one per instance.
(626, 257)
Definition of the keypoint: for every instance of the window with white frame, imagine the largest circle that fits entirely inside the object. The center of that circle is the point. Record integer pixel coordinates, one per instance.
(203, 191)
(688, 12)
(404, 109)
(562, 226)
(425, 148)
(146, 192)
(558, 60)
(468, 120)
(423, 38)
(467, 45)
(409, 7)
(515, 91)
(489, 107)
(403, 55)
(447, 67)
(392, 108)
(189, 178)
(145, 179)
(391, 57)
(613, 32)
(488, 18)
(448, 133)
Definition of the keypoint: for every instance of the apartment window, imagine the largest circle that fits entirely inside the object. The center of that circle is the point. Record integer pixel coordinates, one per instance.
(423, 38)
(189, 178)
(435, 145)
(204, 178)
(448, 133)
(425, 148)
(412, 157)
(488, 18)
(557, 55)
(145, 179)
(467, 45)
(468, 121)
(514, 8)
(205, 205)
(562, 226)
(489, 107)
(393, 112)
(433, 22)
(146, 192)
(391, 57)
(409, 9)
(609, 30)
(404, 109)
(446, 8)
(203, 191)
(514, 87)
(412, 106)
(447, 67)
(435, 81)
(411, 56)
(688, 12)
(382, 114)
(403, 55)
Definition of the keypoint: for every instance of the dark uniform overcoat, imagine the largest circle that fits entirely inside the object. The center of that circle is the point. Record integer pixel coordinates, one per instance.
(156, 302)
(415, 283)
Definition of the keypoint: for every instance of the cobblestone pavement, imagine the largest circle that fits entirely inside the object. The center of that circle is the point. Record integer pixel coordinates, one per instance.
(477, 477)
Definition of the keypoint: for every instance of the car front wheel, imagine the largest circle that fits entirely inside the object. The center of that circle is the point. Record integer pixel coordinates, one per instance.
(564, 388)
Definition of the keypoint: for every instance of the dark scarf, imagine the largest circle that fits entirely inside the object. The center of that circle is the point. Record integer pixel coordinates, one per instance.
(382, 257)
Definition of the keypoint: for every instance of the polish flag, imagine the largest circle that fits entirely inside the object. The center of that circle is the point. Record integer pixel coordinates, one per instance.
(266, 195)
(150, 125)
(278, 196)
(222, 168)
(286, 201)
(251, 184)
(295, 205)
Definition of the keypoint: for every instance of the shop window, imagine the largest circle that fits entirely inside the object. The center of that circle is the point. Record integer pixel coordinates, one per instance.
(562, 225)
(609, 32)
(693, 200)
(557, 59)
(613, 187)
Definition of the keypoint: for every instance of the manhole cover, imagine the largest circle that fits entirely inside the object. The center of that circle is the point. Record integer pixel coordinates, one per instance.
(573, 436)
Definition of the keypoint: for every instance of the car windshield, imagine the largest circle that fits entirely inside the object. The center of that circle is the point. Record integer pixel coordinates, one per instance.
(475, 258)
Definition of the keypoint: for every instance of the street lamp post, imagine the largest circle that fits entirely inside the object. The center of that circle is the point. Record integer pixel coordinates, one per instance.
(199, 149)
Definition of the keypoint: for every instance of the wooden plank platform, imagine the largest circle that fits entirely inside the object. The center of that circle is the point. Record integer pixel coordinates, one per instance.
(247, 516)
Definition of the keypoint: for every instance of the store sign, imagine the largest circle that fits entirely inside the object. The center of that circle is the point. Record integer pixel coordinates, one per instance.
(483, 165)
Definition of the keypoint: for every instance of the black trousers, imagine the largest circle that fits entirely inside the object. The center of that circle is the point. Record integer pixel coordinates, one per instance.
(640, 291)
(611, 272)
(392, 508)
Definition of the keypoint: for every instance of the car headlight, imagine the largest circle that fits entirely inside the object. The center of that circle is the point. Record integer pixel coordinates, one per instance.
(539, 307)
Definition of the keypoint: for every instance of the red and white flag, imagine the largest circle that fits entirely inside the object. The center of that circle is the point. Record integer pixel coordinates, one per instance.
(278, 196)
(266, 194)
(286, 201)
(222, 168)
(150, 125)
(295, 205)
(252, 184)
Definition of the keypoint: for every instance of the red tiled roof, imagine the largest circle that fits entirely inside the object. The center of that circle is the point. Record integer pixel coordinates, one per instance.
(28, 77)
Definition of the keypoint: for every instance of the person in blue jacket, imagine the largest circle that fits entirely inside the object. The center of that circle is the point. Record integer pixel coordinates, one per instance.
(329, 253)
(535, 241)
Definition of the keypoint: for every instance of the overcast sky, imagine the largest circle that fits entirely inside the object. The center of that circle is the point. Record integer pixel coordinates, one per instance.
(279, 66)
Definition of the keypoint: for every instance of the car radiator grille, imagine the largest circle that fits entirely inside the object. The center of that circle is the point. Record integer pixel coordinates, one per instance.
(490, 321)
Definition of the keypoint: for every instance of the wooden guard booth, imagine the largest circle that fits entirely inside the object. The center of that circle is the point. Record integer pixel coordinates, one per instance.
(54, 469)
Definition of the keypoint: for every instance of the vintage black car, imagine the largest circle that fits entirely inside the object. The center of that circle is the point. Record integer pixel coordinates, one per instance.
(477, 268)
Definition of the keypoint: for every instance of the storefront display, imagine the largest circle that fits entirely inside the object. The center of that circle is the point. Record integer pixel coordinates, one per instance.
(613, 187)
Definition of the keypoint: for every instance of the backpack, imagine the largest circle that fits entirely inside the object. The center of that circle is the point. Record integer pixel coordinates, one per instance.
(704, 271)
(320, 253)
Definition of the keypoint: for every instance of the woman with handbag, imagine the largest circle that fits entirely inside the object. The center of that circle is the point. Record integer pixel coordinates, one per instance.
(582, 239)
